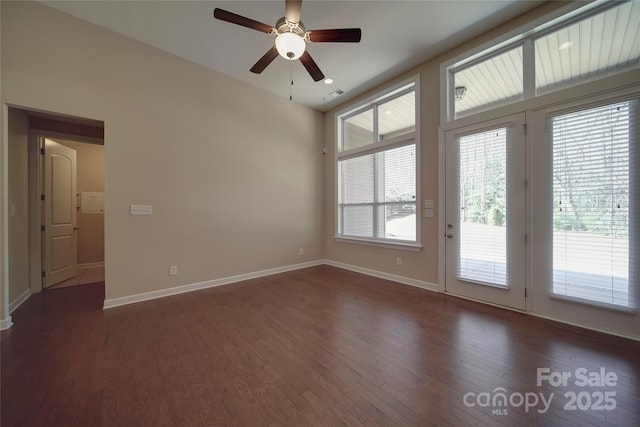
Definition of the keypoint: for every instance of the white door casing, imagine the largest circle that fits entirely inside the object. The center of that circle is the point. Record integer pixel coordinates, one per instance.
(60, 213)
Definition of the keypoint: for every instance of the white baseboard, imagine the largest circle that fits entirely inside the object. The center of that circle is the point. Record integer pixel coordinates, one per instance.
(146, 296)
(5, 323)
(388, 276)
(18, 301)
(88, 265)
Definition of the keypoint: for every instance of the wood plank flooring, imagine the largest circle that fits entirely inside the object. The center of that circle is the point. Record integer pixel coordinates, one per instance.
(315, 347)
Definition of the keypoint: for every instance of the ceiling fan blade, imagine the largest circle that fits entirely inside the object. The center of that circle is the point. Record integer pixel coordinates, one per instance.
(266, 59)
(292, 10)
(224, 15)
(311, 66)
(344, 35)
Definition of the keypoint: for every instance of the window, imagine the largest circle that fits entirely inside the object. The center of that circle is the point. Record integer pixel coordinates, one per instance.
(594, 155)
(482, 166)
(491, 85)
(596, 45)
(377, 169)
(591, 43)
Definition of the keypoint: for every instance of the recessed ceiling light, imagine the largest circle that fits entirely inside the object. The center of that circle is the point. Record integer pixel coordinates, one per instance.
(565, 45)
(328, 81)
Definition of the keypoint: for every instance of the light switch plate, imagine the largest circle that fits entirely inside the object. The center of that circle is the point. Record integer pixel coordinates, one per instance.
(428, 204)
(140, 209)
(428, 213)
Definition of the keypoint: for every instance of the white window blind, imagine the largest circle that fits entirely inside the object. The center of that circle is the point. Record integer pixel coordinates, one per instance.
(595, 200)
(482, 168)
(377, 195)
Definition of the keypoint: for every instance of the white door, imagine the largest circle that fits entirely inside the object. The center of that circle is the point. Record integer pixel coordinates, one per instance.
(485, 212)
(60, 256)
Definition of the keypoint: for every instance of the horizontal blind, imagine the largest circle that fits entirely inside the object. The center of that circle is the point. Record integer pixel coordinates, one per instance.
(482, 251)
(356, 195)
(593, 204)
(377, 194)
(397, 191)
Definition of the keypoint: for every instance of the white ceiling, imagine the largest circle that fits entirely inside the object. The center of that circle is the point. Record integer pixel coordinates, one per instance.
(396, 35)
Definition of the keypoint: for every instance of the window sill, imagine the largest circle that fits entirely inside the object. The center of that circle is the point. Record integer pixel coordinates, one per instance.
(591, 303)
(405, 246)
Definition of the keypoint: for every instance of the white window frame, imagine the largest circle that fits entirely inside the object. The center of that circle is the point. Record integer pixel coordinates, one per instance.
(397, 90)
(526, 36)
(540, 246)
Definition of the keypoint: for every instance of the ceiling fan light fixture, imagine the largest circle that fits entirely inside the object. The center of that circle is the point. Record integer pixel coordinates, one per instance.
(290, 45)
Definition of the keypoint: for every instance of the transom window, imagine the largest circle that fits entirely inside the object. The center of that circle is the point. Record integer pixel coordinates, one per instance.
(586, 45)
(377, 169)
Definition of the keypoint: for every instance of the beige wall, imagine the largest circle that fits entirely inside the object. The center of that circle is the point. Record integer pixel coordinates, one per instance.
(18, 206)
(234, 174)
(90, 177)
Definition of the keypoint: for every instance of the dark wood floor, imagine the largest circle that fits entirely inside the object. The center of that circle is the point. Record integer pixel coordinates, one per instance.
(314, 347)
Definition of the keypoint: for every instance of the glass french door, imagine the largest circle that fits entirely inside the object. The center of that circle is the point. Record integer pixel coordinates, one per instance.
(485, 212)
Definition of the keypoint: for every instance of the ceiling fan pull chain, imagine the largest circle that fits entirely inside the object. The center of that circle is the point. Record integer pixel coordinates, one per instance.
(291, 79)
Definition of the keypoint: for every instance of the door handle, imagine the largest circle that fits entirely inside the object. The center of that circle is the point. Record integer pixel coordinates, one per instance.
(449, 235)
(76, 228)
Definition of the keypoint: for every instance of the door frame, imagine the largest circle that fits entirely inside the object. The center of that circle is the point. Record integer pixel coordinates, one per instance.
(514, 120)
(35, 189)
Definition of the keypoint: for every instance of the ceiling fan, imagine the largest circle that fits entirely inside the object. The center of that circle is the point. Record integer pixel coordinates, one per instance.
(291, 37)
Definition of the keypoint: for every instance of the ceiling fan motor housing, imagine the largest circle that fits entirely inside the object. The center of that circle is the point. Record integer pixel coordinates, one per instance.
(284, 26)
(290, 41)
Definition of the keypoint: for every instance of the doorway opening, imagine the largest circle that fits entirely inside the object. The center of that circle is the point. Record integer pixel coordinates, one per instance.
(57, 224)
(73, 212)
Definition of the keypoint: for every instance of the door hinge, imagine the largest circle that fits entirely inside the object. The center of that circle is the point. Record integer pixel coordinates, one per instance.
(42, 151)
(44, 274)
(42, 197)
(526, 237)
(524, 128)
(42, 228)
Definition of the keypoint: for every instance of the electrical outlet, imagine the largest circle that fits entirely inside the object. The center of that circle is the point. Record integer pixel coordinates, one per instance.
(301, 251)
(398, 261)
(173, 270)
